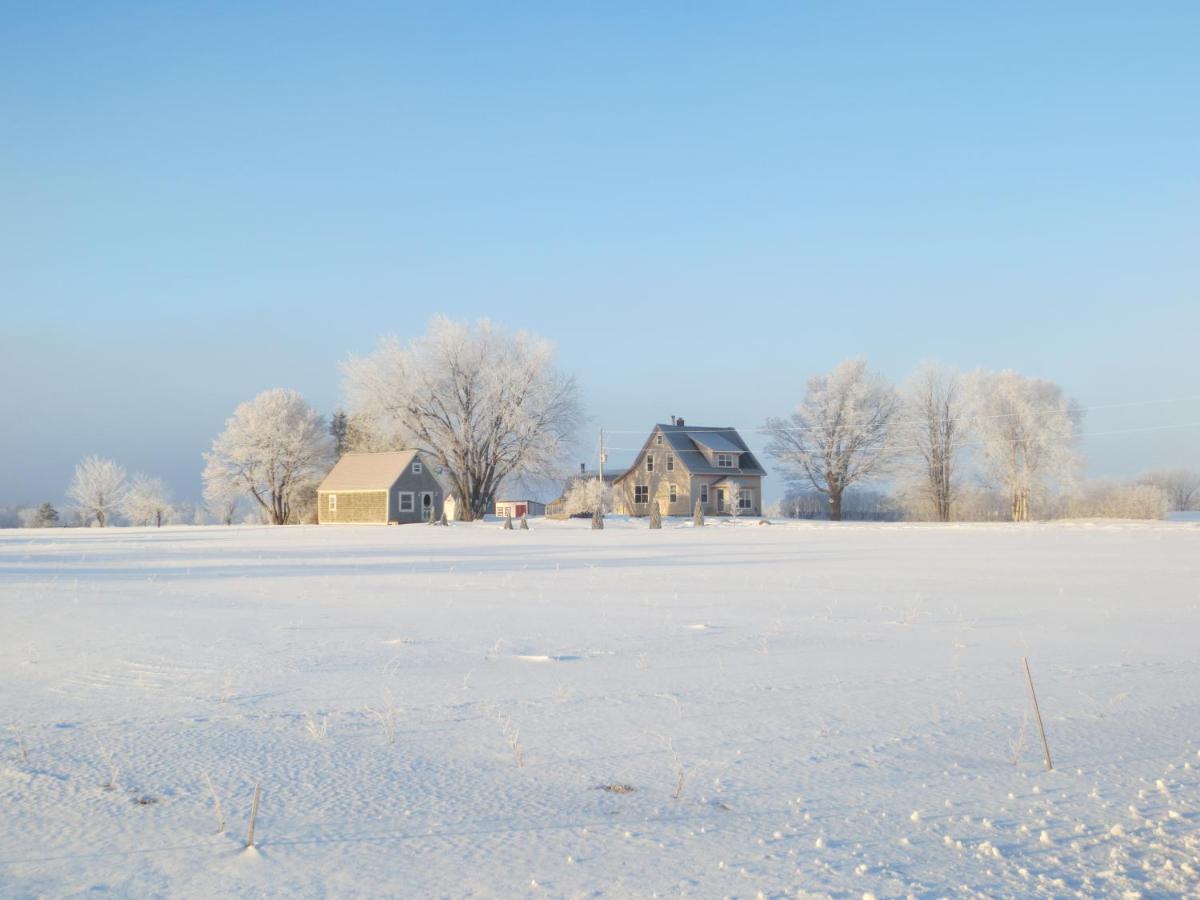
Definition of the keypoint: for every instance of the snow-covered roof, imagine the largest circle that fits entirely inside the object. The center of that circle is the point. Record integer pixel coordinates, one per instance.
(716, 441)
(367, 471)
(686, 441)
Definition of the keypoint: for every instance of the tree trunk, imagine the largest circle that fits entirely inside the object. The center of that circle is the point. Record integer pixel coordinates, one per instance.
(835, 505)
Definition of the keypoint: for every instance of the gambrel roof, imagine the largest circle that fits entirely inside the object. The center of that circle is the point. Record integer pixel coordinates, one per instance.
(685, 441)
(367, 471)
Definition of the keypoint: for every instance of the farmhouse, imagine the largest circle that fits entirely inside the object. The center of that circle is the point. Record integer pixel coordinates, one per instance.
(680, 464)
(380, 489)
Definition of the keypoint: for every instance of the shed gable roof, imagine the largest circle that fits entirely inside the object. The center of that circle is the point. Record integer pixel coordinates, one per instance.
(367, 471)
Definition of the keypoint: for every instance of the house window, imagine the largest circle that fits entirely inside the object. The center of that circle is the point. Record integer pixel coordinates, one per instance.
(704, 493)
(333, 502)
(745, 499)
(658, 440)
(670, 463)
(406, 501)
(641, 494)
(417, 468)
(649, 462)
(724, 460)
(674, 493)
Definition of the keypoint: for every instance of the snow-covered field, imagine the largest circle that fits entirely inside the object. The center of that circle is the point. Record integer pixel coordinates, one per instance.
(737, 710)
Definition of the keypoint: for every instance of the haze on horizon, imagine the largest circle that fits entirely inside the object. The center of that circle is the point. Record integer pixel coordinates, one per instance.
(702, 206)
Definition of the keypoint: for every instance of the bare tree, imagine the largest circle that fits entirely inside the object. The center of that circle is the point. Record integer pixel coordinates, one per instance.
(1028, 431)
(935, 423)
(273, 448)
(1182, 487)
(147, 501)
(485, 404)
(840, 434)
(96, 489)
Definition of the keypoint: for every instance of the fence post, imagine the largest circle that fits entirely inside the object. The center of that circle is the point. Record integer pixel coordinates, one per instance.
(1037, 714)
(253, 815)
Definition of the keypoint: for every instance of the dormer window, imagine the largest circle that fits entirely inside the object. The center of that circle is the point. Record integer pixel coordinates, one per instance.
(724, 460)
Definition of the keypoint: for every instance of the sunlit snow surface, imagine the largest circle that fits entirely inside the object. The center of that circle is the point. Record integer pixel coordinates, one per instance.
(846, 705)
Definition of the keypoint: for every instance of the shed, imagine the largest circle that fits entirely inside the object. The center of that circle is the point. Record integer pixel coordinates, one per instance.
(380, 489)
(519, 509)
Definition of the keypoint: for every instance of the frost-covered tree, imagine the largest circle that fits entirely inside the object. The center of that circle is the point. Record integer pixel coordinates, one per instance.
(1106, 499)
(733, 498)
(840, 434)
(1027, 432)
(273, 448)
(585, 495)
(96, 490)
(223, 501)
(487, 405)
(1182, 487)
(147, 502)
(655, 515)
(933, 429)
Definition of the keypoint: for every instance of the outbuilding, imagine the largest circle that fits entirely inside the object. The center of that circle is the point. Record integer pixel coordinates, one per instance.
(519, 509)
(380, 489)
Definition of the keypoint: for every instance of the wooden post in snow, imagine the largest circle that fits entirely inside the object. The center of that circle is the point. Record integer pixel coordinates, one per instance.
(253, 815)
(1037, 713)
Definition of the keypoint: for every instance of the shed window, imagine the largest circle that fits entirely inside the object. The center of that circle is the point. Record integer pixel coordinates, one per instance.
(333, 502)
(417, 468)
(406, 501)
(724, 460)
(641, 494)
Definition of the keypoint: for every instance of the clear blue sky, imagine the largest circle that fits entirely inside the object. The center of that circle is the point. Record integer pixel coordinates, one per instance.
(703, 204)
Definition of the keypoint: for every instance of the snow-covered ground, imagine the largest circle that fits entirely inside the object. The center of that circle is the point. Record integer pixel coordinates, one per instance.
(736, 710)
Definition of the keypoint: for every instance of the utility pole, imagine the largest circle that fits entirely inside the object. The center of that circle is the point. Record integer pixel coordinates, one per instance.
(598, 512)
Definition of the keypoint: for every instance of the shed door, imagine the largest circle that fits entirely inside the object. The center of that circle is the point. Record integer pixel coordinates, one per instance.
(426, 507)
(522, 510)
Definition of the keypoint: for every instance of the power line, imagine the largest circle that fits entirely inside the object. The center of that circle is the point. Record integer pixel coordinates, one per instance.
(1063, 438)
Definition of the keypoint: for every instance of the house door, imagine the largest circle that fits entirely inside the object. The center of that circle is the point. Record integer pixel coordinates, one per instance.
(427, 507)
(720, 500)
